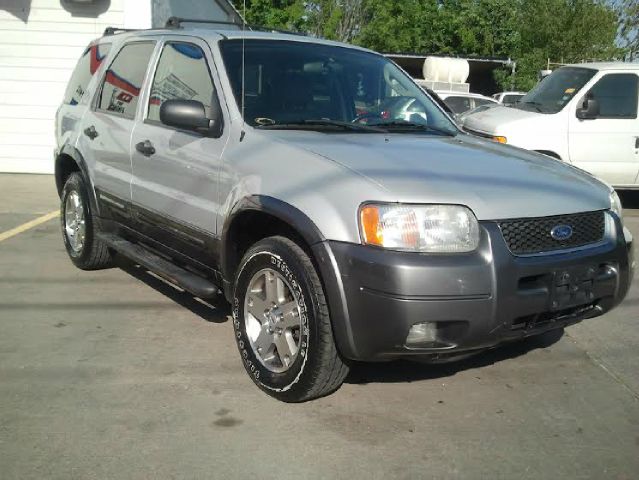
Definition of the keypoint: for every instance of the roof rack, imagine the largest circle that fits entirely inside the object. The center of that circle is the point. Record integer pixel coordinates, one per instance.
(116, 30)
(176, 22)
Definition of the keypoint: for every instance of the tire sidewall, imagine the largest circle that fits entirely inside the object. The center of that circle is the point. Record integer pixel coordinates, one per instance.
(269, 254)
(75, 183)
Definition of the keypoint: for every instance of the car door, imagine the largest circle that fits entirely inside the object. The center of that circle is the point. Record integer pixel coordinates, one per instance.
(607, 145)
(174, 189)
(107, 127)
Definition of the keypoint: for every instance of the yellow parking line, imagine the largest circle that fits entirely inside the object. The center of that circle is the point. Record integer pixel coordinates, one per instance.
(26, 226)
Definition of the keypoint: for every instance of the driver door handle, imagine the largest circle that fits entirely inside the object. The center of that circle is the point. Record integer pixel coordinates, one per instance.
(146, 148)
(637, 143)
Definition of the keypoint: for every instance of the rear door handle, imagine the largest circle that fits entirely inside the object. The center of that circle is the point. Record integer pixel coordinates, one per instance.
(637, 143)
(146, 148)
(91, 132)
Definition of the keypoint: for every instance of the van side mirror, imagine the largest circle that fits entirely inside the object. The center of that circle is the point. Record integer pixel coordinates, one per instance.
(589, 110)
(192, 115)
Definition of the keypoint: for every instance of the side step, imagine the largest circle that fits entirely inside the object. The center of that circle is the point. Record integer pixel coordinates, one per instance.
(192, 283)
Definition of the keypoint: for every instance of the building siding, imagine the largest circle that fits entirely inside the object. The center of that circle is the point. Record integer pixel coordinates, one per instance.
(40, 42)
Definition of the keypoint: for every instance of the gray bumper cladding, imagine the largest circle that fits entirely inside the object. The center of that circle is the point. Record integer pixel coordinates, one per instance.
(476, 300)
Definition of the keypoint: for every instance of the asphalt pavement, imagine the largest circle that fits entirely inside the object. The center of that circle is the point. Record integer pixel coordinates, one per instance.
(116, 375)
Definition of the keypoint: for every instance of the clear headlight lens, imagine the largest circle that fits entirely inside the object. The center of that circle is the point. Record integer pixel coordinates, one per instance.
(615, 205)
(419, 228)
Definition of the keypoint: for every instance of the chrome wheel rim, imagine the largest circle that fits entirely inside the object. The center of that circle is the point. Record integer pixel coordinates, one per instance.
(272, 320)
(74, 221)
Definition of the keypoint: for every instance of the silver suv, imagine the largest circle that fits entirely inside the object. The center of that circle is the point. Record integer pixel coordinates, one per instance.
(277, 170)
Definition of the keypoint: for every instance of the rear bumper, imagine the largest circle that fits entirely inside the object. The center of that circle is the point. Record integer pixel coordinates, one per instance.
(477, 300)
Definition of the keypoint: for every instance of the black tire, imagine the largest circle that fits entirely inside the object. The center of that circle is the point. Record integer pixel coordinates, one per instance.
(318, 369)
(94, 254)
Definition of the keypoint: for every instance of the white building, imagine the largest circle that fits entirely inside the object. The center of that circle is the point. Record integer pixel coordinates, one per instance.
(40, 42)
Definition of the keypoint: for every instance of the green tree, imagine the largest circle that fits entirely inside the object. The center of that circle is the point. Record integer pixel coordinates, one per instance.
(629, 27)
(566, 31)
(527, 31)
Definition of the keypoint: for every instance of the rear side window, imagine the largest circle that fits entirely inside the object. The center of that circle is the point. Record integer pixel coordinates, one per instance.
(458, 104)
(182, 74)
(84, 70)
(123, 80)
(617, 95)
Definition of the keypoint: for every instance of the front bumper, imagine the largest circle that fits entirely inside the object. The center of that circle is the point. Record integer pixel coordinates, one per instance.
(477, 300)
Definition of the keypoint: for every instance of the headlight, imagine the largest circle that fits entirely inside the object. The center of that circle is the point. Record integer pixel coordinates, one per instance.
(615, 205)
(419, 228)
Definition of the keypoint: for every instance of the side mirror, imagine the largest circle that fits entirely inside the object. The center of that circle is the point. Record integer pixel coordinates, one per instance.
(589, 109)
(192, 115)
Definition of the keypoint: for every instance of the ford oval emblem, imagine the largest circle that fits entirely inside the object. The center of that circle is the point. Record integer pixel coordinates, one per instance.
(561, 233)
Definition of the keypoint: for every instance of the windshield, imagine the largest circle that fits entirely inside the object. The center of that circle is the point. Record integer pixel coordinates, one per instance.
(553, 93)
(307, 85)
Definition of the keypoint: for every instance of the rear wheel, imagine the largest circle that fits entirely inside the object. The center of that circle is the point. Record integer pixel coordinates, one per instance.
(282, 324)
(80, 227)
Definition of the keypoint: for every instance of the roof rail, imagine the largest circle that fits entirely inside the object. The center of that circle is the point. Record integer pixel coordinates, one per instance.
(176, 22)
(116, 30)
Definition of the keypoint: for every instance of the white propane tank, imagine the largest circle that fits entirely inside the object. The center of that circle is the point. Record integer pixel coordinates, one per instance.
(451, 70)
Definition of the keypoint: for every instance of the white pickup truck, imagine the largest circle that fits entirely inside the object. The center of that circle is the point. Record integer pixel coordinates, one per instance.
(583, 114)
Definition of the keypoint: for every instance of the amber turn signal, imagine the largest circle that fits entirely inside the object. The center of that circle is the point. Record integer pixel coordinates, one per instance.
(369, 220)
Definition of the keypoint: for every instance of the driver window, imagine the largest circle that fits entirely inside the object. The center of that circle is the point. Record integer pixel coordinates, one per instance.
(617, 95)
(182, 74)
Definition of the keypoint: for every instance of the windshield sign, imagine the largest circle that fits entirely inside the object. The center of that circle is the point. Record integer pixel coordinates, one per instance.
(553, 93)
(299, 85)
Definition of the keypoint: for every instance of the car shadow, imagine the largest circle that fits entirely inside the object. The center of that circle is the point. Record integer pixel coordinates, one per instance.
(209, 310)
(402, 371)
(361, 373)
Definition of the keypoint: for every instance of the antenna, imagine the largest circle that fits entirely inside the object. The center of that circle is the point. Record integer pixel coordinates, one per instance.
(243, 69)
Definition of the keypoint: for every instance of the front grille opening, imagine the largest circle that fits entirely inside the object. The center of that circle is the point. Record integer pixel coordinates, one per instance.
(527, 236)
(539, 320)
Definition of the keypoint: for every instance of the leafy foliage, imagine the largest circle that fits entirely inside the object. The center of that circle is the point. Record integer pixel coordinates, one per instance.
(529, 31)
(629, 29)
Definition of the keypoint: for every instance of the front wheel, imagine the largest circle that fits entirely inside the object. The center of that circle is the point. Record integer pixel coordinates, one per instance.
(282, 324)
(80, 227)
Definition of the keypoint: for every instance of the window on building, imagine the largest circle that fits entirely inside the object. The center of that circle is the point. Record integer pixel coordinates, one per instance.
(84, 70)
(182, 74)
(124, 78)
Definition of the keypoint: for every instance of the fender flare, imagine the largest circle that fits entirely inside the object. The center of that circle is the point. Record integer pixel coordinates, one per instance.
(279, 209)
(320, 250)
(79, 160)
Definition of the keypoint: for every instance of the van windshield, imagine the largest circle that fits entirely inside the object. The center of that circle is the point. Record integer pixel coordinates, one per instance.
(302, 85)
(553, 93)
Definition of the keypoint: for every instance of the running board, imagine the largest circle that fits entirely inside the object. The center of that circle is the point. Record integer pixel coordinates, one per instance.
(192, 283)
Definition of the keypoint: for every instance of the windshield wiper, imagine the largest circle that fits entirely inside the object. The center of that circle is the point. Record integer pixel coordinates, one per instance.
(405, 125)
(355, 127)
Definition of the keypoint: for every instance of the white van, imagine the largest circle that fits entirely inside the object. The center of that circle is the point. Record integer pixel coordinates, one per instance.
(583, 114)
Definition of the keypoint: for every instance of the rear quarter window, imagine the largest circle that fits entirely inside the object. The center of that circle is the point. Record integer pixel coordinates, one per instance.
(84, 70)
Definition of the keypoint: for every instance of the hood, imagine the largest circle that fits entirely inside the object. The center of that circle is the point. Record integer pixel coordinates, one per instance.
(495, 181)
(493, 120)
